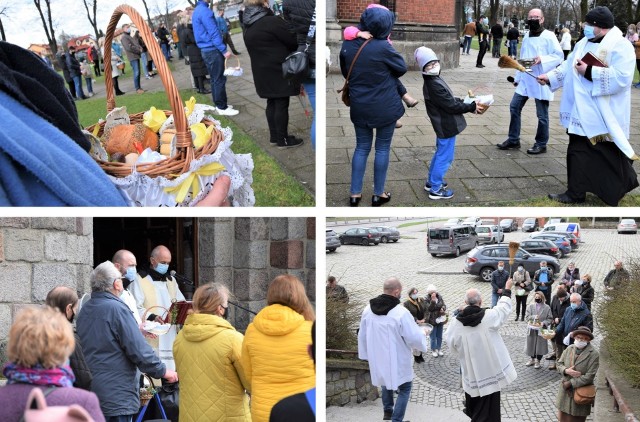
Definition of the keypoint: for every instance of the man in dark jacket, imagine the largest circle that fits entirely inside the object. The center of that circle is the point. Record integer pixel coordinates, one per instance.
(576, 316)
(62, 62)
(482, 29)
(512, 37)
(74, 71)
(616, 277)
(559, 304)
(445, 112)
(498, 280)
(114, 347)
(133, 50)
(164, 36)
(95, 59)
(496, 35)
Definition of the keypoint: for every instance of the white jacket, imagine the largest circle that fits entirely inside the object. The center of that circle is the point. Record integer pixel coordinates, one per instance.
(484, 358)
(386, 342)
(547, 47)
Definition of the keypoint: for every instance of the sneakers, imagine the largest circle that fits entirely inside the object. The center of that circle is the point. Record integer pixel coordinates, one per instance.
(427, 185)
(440, 353)
(434, 354)
(387, 416)
(288, 142)
(536, 365)
(441, 194)
(227, 111)
(531, 362)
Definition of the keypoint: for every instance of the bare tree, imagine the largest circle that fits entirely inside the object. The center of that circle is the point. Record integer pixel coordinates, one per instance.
(91, 15)
(3, 12)
(146, 8)
(47, 23)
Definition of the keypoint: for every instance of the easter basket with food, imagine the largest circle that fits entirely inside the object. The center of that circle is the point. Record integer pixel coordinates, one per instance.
(166, 158)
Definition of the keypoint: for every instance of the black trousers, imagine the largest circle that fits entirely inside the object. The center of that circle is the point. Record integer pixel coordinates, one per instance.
(521, 304)
(483, 49)
(483, 409)
(278, 118)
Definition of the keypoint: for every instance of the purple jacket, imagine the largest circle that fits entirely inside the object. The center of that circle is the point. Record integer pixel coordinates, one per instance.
(13, 400)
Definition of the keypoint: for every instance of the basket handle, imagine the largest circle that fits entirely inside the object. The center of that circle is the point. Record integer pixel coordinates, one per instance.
(183, 134)
(235, 57)
(147, 311)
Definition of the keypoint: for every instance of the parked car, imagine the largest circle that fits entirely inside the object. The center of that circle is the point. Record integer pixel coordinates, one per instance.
(451, 240)
(360, 236)
(627, 225)
(483, 260)
(472, 221)
(563, 228)
(541, 246)
(387, 234)
(561, 240)
(509, 225)
(333, 241)
(530, 225)
(453, 222)
(573, 239)
(489, 234)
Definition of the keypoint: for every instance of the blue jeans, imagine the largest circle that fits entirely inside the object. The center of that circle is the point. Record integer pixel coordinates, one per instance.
(77, 81)
(215, 65)
(542, 111)
(513, 47)
(310, 89)
(364, 140)
(441, 162)
(89, 85)
(404, 392)
(165, 50)
(467, 44)
(135, 65)
(494, 298)
(436, 337)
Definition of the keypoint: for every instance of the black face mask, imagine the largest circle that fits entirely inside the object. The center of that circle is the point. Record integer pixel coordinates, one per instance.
(225, 315)
(538, 300)
(534, 25)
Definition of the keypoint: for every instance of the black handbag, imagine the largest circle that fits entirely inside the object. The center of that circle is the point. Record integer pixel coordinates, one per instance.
(296, 65)
(167, 403)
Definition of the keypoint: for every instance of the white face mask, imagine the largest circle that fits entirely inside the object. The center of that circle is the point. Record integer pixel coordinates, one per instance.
(435, 70)
(414, 296)
(578, 283)
(581, 344)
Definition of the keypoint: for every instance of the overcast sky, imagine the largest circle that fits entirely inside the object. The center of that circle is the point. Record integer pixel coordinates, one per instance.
(23, 25)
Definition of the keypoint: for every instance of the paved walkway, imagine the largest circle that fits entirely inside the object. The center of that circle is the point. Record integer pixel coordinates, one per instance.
(481, 174)
(531, 397)
(298, 162)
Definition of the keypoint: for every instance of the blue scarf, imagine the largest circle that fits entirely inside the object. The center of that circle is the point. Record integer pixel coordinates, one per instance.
(38, 375)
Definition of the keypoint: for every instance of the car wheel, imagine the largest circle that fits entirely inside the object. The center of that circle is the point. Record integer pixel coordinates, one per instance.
(384, 239)
(561, 254)
(365, 242)
(485, 273)
(341, 241)
(395, 240)
(457, 251)
(332, 250)
(434, 255)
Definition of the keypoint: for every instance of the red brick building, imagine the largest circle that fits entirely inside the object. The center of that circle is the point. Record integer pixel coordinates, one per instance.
(433, 23)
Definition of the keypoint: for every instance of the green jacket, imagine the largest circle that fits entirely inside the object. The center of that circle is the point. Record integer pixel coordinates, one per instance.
(587, 363)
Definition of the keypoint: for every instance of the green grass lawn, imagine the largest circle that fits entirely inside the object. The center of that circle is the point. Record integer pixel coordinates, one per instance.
(286, 192)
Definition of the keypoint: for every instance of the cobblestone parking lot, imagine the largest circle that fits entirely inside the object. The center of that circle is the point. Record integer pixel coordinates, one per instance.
(362, 270)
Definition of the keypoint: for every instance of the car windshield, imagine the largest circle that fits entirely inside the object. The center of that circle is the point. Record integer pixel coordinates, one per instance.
(628, 222)
(438, 234)
(470, 220)
(452, 220)
(505, 221)
(529, 220)
(483, 229)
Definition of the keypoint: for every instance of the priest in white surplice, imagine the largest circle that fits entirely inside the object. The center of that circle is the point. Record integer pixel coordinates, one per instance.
(596, 110)
(158, 289)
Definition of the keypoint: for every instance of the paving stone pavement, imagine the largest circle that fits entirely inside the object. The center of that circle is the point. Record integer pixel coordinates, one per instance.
(299, 162)
(437, 381)
(481, 174)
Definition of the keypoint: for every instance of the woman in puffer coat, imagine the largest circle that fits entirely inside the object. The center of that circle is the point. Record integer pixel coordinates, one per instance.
(207, 354)
(417, 306)
(274, 352)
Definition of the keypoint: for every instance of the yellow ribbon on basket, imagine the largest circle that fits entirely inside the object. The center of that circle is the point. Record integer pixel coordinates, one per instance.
(191, 183)
(202, 132)
(153, 119)
(190, 104)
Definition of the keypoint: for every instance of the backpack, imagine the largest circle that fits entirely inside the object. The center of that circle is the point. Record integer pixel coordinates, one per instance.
(38, 411)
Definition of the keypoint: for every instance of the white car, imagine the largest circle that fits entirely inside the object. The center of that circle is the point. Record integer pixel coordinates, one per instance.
(472, 221)
(452, 222)
(628, 225)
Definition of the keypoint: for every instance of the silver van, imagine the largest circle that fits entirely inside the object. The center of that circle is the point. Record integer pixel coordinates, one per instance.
(451, 240)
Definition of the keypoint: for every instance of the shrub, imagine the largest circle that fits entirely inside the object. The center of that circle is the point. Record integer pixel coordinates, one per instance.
(343, 320)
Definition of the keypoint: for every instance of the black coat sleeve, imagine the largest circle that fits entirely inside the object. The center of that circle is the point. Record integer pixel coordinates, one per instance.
(442, 98)
(79, 367)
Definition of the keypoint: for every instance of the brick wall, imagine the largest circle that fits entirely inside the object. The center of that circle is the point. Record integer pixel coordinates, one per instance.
(434, 12)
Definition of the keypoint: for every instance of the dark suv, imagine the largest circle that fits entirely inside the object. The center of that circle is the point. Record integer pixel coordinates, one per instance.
(333, 241)
(542, 246)
(387, 234)
(483, 260)
(359, 236)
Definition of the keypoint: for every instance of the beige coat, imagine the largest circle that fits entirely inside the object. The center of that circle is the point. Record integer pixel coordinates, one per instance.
(587, 363)
(536, 345)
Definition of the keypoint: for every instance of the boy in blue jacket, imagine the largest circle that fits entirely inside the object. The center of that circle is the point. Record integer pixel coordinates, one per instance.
(445, 112)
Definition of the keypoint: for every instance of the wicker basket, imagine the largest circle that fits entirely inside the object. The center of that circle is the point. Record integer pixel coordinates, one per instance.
(233, 71)
(166, 315)
(547, 335)
(146, 393)
(179, 163)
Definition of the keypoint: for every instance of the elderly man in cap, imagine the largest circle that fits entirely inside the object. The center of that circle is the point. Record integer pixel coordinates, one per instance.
(596, 110)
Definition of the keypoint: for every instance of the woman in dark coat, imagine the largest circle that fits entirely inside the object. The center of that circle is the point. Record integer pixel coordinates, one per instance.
(417, 307)
(62, 62)
(196, 63)
(269, 42)
(584, 288)
(436, 316)
(375, 103)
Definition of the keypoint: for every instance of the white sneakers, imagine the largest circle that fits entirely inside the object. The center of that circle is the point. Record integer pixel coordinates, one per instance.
(229, 111)
(434, 354)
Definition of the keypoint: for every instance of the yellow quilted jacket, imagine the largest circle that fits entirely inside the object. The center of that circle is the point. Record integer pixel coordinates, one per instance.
(212, 383)
(275, 359)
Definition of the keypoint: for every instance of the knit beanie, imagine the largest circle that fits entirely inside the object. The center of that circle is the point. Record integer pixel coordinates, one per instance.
(601, 17)
(424, 55)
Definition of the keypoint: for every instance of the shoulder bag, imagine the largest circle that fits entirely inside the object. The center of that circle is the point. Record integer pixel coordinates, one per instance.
(296, 65)
(585, 394)
(346, 98)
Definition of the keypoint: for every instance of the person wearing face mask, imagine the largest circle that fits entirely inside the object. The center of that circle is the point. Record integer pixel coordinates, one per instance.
(134, 51)
(482, 29)
(543, 47)
(436, 316)
(65, 300)
(158, 288)
(571, 275)
(445, 113)
(583, 286)
(578, 365)
(559, 304)
(595, 108)
(536, 346)
(417, 306)
(207, 350)
(498, 280)
(575, 316)
(126, 263)
(543, 279)
(114, 347)
(522, 286)
(385, 339)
